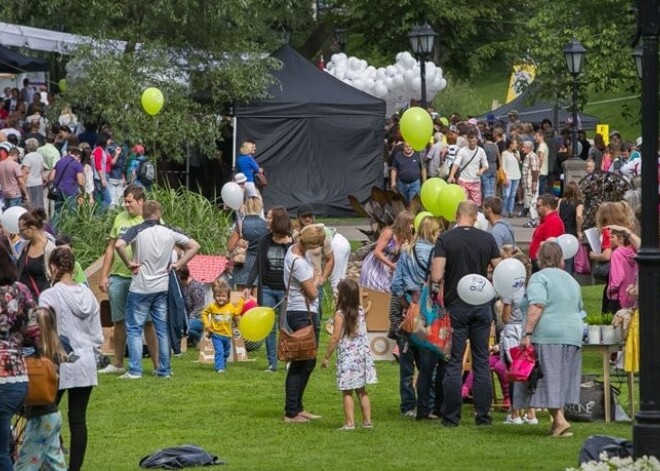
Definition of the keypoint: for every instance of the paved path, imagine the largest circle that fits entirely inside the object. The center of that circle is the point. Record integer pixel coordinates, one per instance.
(351, 232)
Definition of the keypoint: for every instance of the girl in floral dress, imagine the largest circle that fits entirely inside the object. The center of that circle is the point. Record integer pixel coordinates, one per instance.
(355, 363)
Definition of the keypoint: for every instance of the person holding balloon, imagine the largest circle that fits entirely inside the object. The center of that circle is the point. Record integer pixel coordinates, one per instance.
(268, 271)
(571, 209)
(217, 318)
(471, 162)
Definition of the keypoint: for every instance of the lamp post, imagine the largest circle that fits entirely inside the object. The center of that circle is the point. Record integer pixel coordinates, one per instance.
(573, 55)
(340, 37)
(646, 428)
(421, 42)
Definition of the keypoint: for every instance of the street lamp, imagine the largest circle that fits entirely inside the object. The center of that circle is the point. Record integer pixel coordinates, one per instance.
(646, 428)
(421, 42)
(340, 37)
(574, 54)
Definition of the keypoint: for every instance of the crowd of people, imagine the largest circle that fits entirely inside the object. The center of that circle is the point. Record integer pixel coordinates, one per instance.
(283, 266)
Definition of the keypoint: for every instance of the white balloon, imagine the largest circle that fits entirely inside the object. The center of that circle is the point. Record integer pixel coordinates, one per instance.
(369, 83)
(475, 290)
(380, 73)
(232, 195)
(409, 74)
(9, 219)
(390, 70)
(357, 83)
(509, 276)
(398, 81)
(569, 245)
(430, 69)
(339, 73)
(410, 62)
(482, 222)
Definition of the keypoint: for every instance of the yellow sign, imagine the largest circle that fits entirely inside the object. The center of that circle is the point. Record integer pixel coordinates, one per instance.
(604, 130)
(521, 76)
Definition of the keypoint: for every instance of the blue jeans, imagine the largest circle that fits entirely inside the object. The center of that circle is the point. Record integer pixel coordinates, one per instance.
(408, 190)
(138, 307)
(104, 193)
(9, 202)
(12, 396)
(429, 384)
(271, 297)
(509, 193)
(299, 371)
(468, 322)
(408, 358)
(195, 329)
(222, 347)
(543, 184)
(488, 182)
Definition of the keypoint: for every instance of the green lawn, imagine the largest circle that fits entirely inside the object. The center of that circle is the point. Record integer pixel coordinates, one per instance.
(238, 416)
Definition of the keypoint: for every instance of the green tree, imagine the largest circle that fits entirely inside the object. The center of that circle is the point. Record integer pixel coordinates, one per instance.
(218, 50)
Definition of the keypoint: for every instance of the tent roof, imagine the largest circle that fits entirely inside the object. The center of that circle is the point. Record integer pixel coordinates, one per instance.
(306, 91)
(12, 62)
(539, 111)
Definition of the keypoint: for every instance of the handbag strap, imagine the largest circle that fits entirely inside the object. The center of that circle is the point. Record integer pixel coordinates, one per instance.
(469, 161)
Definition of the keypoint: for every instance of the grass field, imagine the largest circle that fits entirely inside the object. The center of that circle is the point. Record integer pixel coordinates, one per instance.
(238, 416)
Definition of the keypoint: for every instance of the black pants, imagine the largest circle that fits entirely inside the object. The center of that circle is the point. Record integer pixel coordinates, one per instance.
(77, 415)
(299, 371)
(429, 384)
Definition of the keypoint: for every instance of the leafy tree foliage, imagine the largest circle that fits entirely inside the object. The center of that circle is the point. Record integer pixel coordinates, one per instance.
(187, 49)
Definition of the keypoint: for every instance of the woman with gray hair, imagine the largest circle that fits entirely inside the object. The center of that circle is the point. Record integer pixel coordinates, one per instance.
(33, 167)
(554, 326)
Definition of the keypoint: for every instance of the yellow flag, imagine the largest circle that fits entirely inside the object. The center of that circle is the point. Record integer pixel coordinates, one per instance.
(522, 75)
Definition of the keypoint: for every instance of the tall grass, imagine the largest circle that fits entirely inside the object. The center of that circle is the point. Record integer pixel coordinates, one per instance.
(182, 208)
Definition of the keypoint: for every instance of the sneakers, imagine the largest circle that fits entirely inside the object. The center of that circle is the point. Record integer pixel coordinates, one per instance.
(220, 371)
(368, 425)
(531, 224)
(112, 369)
(410, 413)
(533, 421)
(346, 428)
(511, 421)
(270, 369)
(128, 375)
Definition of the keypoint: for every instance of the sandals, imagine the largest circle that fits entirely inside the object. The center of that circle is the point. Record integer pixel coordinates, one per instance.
(346, 428)
(563, 433)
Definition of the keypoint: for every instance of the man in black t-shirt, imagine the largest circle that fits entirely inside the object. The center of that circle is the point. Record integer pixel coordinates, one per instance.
(462, 251)
(407, 173)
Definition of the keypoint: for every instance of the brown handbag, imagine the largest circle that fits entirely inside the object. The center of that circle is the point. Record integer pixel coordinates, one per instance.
(42, 381)
(295, 345)
(239, 254)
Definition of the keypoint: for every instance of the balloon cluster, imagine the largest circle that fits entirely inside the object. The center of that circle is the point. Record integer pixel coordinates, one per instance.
(396, 83)
(441, 199)
(508, 277)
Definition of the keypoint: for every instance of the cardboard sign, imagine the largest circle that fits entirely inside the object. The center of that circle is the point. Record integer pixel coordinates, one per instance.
(377, 305)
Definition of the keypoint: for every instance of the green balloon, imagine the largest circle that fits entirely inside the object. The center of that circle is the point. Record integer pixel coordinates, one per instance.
(430, 192)
(62, 85)
(416, 127)
(449, 199)
(418, 219)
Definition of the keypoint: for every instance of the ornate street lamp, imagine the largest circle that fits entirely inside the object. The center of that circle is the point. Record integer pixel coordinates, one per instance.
(573, 55)
(340, 37)
(422, 39)
(646, 428)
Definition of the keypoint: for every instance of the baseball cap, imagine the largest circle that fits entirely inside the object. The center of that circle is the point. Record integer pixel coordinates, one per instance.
(240, 178)
(305, 209)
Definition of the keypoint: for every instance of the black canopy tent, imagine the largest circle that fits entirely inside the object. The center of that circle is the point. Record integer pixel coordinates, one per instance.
(537, 112)
(12, 62)
(318, 139)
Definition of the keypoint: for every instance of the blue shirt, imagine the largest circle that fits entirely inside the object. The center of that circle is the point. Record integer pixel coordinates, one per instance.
(246, 165)
(411, 272)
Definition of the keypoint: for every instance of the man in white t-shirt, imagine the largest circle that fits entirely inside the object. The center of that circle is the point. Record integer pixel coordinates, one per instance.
(542, 152)
(152, 245)
(471, 162)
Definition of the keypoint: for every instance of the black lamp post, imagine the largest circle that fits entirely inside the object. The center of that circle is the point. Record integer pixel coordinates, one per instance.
(421, 42)
(573, 55)
(646, 428)
(340, 37)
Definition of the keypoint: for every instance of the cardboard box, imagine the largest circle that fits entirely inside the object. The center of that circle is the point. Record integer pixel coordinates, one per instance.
(377, 307)
(238, 350)
(381, 347)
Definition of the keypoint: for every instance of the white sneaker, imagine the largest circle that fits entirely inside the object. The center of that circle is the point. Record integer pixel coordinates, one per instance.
(533, 421)
(128, 375)
(112, 369)
(510, 420)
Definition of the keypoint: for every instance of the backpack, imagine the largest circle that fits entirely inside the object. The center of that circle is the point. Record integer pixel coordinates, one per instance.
(179, 457)
(146, 171)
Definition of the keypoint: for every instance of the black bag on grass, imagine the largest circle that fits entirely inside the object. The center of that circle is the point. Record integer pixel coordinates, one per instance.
(592, 403)
(178, 457)
(613, 446)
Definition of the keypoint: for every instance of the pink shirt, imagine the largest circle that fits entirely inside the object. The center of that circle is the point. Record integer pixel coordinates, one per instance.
(10, 172)
(623, 271)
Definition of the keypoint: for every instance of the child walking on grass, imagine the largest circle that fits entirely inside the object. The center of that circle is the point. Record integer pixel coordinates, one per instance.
(355, 363)
(217, 318)
(41, 447)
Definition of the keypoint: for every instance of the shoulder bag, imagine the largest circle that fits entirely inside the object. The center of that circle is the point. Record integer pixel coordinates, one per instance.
(501, 174)
(261, 180)
(54, 193)
(458, 172)
(42, 381)
(295, 345)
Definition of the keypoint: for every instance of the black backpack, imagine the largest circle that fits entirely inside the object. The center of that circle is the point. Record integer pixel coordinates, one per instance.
(178, 457)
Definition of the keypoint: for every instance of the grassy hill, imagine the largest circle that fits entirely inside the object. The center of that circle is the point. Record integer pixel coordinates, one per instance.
(619, 109)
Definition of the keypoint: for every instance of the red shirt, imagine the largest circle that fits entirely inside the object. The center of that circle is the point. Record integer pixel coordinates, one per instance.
(98, 157)
(550, 226)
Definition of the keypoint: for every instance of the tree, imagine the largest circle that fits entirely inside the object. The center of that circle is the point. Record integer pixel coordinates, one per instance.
(187, 49)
